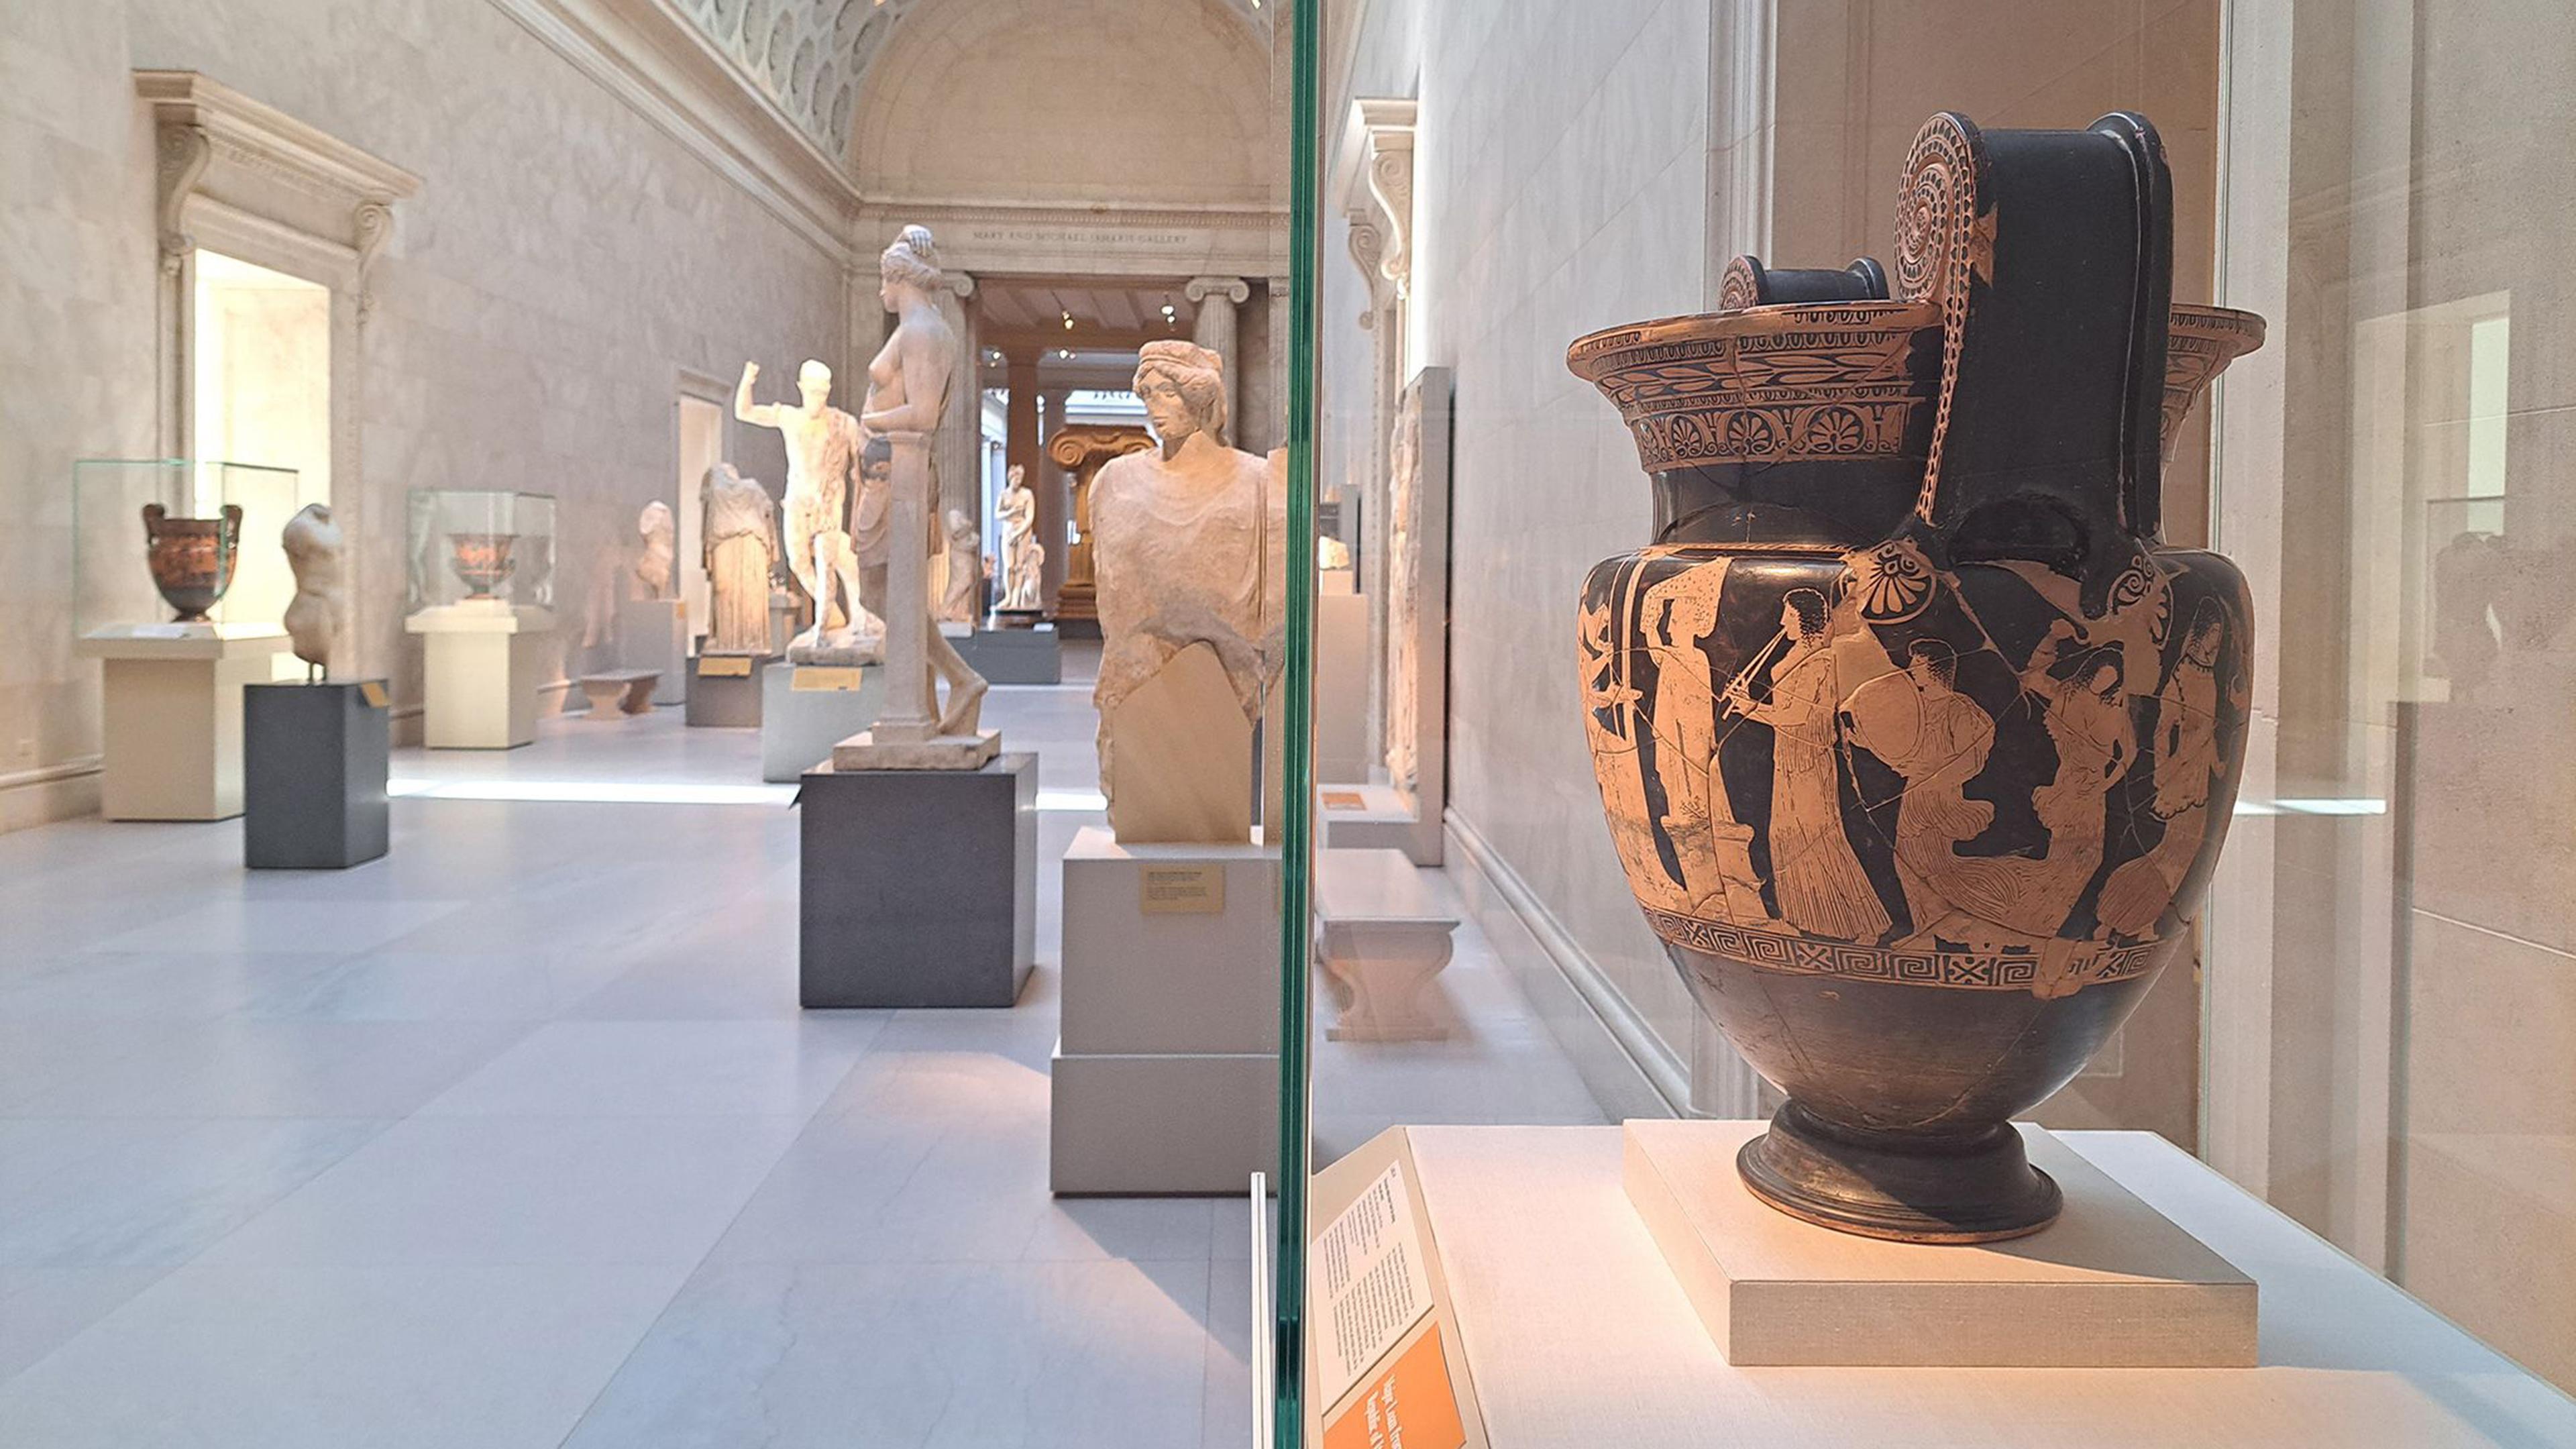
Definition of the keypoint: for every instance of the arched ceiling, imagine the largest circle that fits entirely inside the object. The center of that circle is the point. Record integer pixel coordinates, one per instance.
(812, 57)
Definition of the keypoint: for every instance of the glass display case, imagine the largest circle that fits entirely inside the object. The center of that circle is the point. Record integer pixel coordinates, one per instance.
(1596, 817)
(485, 547)
(170, 547)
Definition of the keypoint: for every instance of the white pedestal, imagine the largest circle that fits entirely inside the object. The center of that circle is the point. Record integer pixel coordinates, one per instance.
(2111, 1284)
(1580, 1337)
(1341, 686)
(173, 716)
(1382, 939)
(654, 634)
(481, 673)
(1166, 1075)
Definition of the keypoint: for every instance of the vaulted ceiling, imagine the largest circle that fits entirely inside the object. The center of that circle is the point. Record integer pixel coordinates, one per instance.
(811, 57)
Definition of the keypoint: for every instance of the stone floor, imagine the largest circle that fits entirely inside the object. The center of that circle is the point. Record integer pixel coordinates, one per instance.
(517, 1137)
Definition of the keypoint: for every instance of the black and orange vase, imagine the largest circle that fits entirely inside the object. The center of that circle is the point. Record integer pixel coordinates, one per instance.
(484, 561)
(1916, 744)
(192, 558)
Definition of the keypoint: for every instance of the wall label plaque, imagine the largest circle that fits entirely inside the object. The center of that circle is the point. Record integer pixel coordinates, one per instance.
(1181, 890)
(824, 677)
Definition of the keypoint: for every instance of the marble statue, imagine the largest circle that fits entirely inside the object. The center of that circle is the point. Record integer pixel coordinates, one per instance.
(965, 569)
(1188, 543)
(907, 391)
(653, 565)
(740, 535)
(868, 521)
(822, 451)
(1022, 554)
(317, 556)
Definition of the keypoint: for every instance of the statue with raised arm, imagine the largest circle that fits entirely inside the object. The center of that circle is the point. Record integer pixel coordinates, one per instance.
(908, 393)
(822, 453)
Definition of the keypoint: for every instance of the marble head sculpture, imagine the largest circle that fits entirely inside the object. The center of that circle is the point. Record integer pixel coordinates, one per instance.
(653, 566)
(1182, 386)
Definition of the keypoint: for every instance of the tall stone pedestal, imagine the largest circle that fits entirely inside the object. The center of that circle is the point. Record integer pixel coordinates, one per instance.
(1166, 1075)
(806, 709)
(654, 634)
(919, 887)
(481, 673)
(1342, 686)
(314, 768)
(724, 689)
(173, 716)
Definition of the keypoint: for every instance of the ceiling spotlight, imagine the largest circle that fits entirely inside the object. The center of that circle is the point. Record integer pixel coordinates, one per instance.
(1068, 321)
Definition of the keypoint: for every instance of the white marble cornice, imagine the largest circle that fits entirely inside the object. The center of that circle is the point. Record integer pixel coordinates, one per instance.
(652, 56)
(249, 170)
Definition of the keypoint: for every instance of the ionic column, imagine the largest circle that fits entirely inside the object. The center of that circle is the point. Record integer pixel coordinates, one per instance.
(1216, 298)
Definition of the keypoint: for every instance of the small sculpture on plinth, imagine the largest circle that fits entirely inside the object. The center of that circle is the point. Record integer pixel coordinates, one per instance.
(315, 553)
(1022, 555)
(907, 394)
(965, 584)
(741, 553)
(822, 450)
(1188, 543)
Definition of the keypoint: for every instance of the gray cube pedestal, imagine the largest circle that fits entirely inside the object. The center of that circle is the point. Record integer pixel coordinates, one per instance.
(313, 775)
(654, 634)
(918, 887)
(805, 709)
(724, 690)
(1014, 656)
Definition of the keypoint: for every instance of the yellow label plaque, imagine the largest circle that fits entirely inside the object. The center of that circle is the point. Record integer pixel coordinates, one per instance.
(373, 693)
(1181, 890)
(724, 666)
(1345, 800)
(810, 677)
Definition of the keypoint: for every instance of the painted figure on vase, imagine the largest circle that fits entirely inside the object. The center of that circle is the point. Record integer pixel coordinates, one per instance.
(315, 554)
(740, 543)
(1188, 541)
(656, 528)
(1023, 557)
(822, 449)
(907, 392)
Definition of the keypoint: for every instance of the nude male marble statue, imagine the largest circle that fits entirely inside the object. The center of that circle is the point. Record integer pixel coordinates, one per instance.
(822, 450)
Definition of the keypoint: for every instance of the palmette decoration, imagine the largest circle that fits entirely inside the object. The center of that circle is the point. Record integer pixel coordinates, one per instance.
(1916, 746)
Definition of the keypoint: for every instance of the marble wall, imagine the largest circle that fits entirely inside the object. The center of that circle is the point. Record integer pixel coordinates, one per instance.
(564, 260)
(76, 271)
(1560, 155)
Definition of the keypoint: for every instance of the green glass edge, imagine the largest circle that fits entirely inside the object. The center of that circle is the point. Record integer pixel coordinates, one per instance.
(1288, 1285)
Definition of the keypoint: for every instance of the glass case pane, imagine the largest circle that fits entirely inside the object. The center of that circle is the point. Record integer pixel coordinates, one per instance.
(481, 547)
(170, 546)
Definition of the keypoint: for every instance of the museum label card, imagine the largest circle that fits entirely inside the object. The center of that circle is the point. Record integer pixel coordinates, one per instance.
(724, 666)
(832, 678)
(373, 692)
(1411, 1405)
(1345, 800)
(1366, 1284)
(1181, 890)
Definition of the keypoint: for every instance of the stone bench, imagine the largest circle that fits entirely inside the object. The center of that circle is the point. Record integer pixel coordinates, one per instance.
(1381, 937)
(625, 691)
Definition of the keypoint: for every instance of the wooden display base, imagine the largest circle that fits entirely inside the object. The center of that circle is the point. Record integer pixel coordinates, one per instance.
(864, 751)
(2112, 1284)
